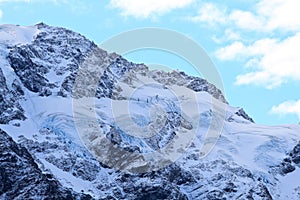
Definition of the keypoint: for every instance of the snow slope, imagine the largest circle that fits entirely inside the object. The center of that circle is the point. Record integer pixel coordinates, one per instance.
(17, 35)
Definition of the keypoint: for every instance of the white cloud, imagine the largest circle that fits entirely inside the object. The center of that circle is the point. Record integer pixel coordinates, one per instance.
(270, 15)
(246, 20)
(269, 62)
(288, 107)
(232, 51)
(231, 35)
(275, 62)
(148, 8)
(227, 36)
(280, 14)
(266, 15)
(238, 49)
(210, 14)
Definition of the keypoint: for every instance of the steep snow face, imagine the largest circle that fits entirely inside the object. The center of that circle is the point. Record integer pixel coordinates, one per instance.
(43, 68)
(17, 35)
(10, 87)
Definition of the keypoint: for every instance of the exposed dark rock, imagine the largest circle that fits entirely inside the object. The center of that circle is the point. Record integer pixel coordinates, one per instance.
(156, 188)
(288, 164)
(20, 177)
(198, 85)
(243, 114)
(10, 108)
(295, 154)
(75, 164)
(287, 167)
(54, 49)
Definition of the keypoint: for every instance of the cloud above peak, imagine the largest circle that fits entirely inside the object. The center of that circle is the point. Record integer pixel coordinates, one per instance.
(287, 107)
(210, 13)
(280, 14)
(147, 8)
(271, 62)
(265, 37)
(266, 15)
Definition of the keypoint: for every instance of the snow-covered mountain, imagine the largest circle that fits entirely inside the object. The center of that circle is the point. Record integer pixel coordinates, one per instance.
(65, 132)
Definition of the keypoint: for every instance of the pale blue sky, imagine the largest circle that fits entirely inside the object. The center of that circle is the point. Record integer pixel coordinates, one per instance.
(254, 44)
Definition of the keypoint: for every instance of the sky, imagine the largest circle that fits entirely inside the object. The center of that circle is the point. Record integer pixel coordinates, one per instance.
(254, 44)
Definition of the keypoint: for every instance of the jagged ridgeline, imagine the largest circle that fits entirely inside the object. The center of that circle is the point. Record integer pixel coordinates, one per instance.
(43, 155)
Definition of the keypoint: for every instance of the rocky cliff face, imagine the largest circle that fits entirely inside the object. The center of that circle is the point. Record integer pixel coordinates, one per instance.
(44, 157)
(9, 105)
(21, 178)
(43, 66)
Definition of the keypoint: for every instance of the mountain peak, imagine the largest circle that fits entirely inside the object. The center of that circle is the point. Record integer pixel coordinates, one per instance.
(17, 35)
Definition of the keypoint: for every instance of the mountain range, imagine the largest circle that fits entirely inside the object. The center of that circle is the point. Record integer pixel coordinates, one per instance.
(78, 122)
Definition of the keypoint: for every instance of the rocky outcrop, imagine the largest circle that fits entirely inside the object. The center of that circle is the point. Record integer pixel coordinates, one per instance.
(290, 163)
(10, 108)
(243, 114)
(55, 53)
(295, 155)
